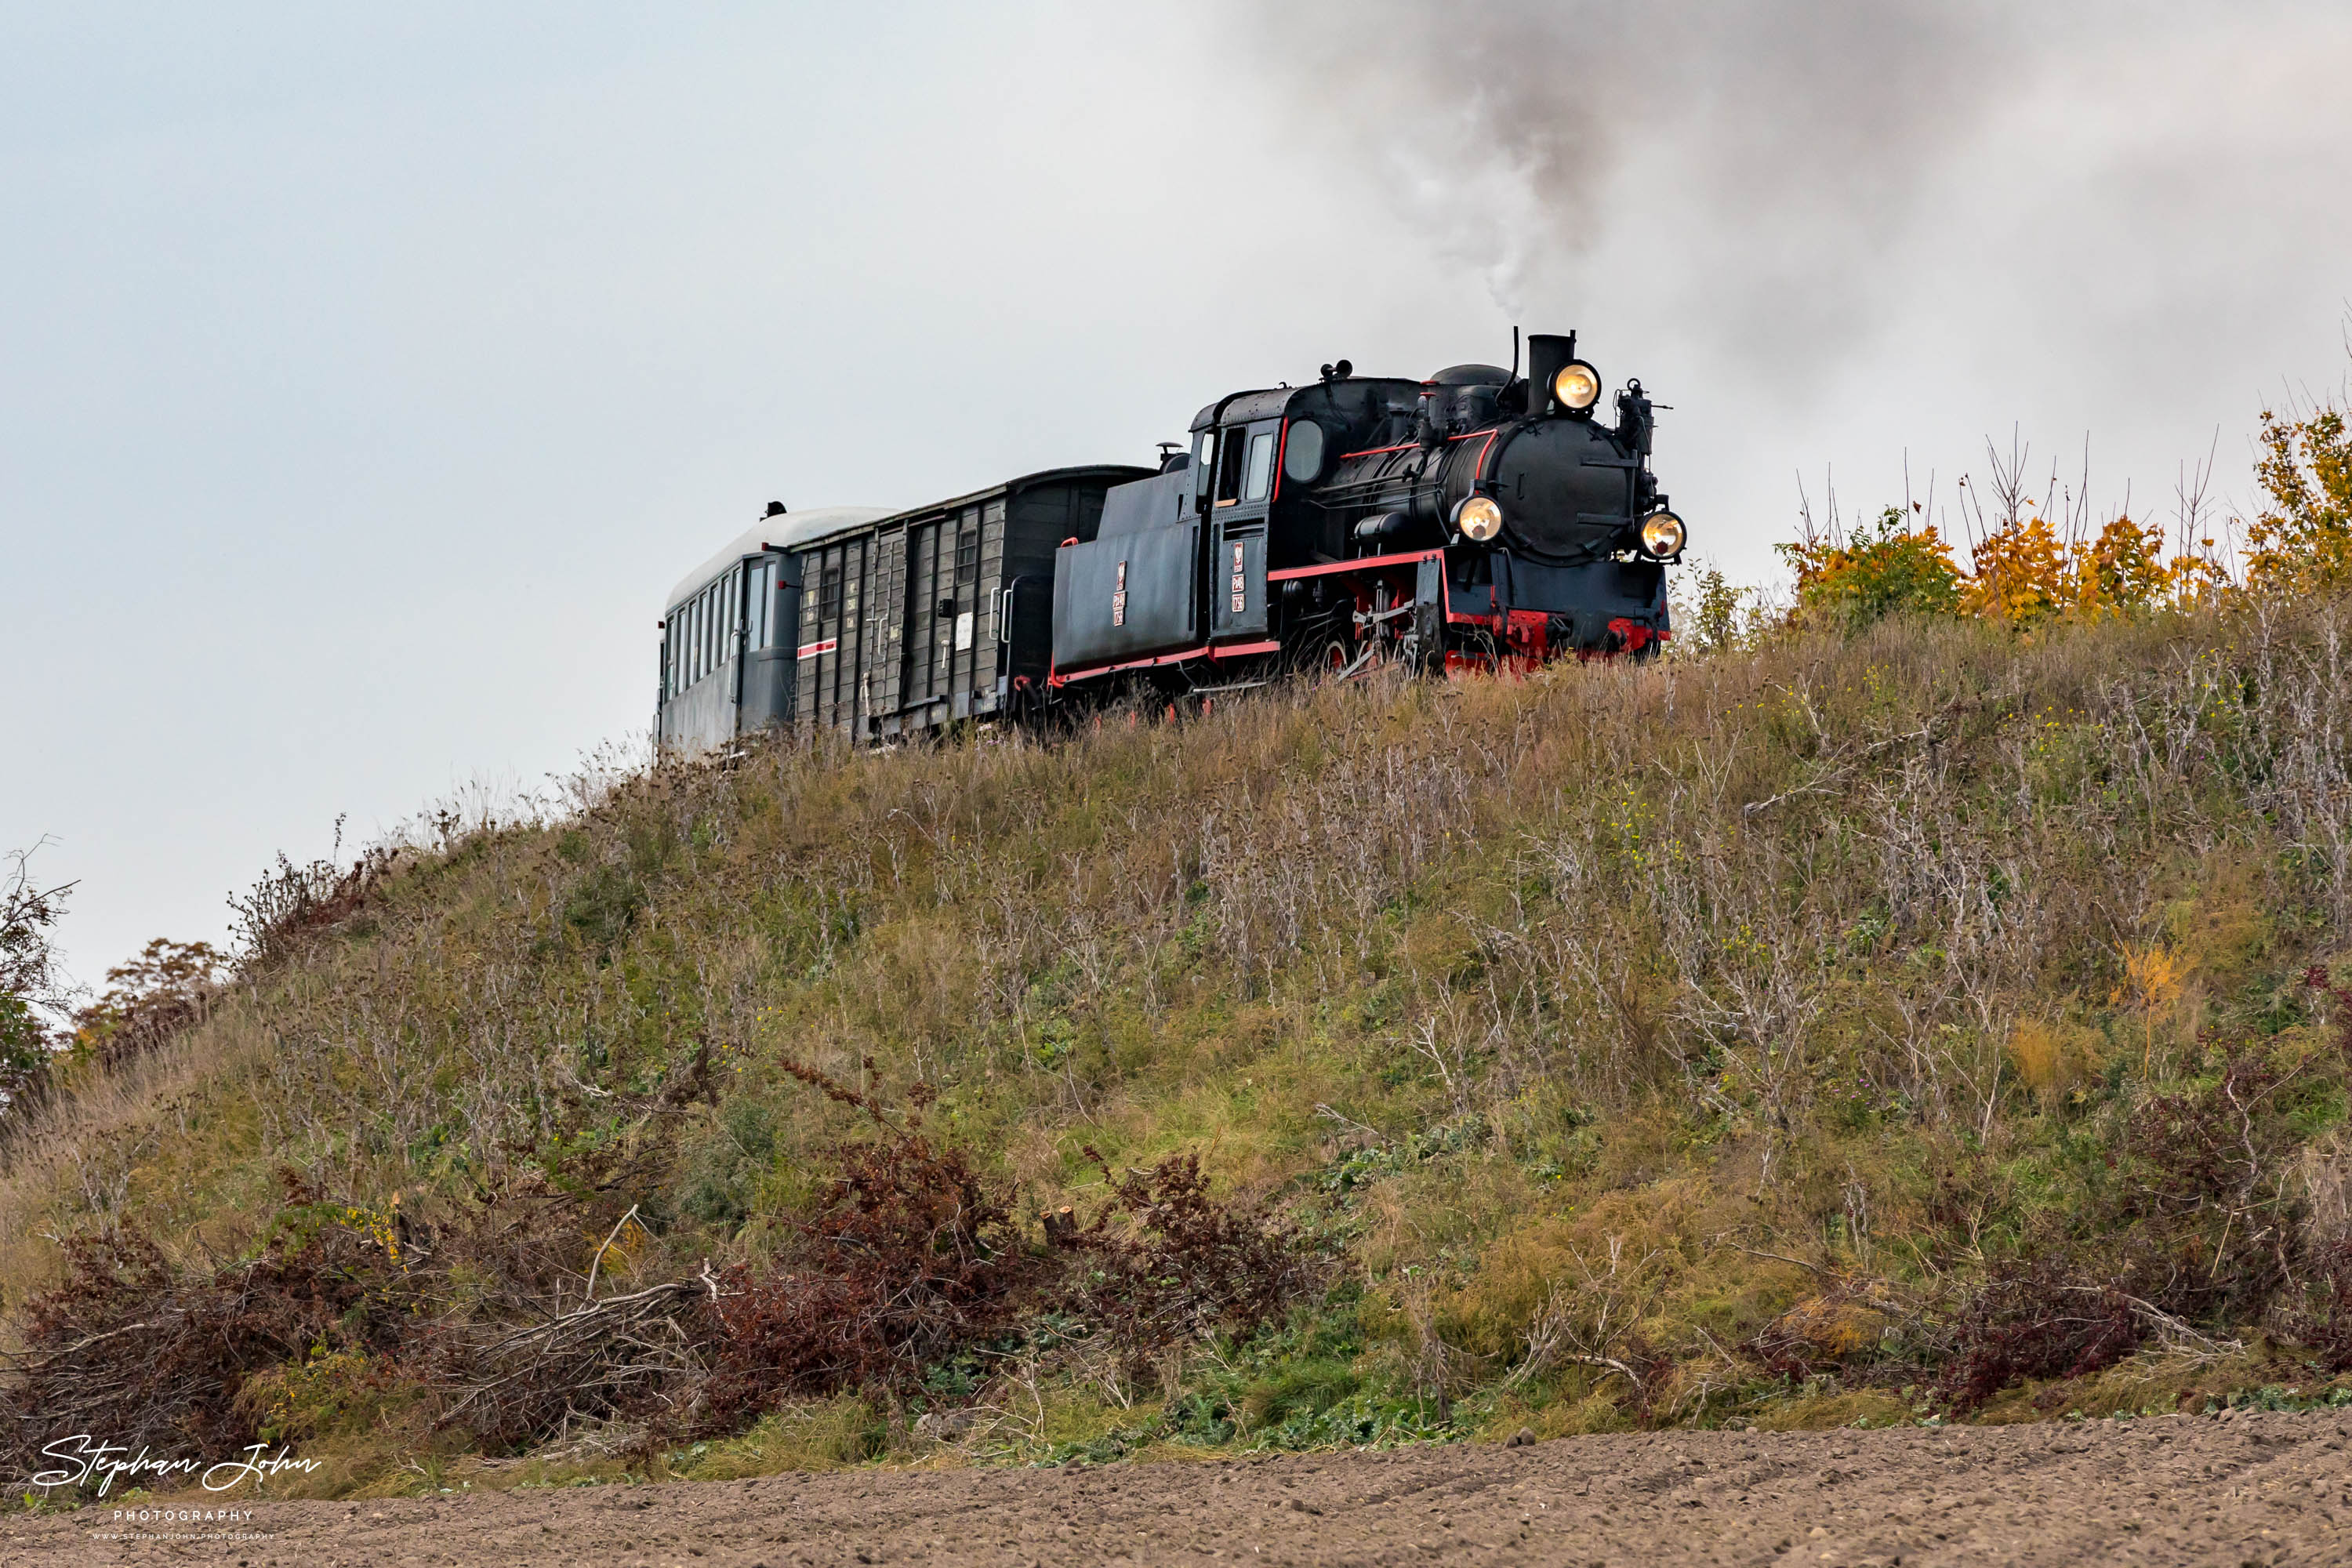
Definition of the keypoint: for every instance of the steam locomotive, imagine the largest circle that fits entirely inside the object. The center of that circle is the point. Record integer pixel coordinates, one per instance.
(1478, 519)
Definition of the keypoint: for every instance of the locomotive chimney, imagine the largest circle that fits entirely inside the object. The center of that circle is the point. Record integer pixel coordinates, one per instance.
(1548, 355)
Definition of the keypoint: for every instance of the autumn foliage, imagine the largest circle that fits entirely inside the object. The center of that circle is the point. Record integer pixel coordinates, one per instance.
(2302, 542)
(2038, 562)
(1890, 568)
(2024, 571)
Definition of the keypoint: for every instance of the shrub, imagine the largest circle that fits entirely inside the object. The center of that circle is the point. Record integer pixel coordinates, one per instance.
(152, 1355)
(1890, 569)
(1166, 1262)
(911, 1256)
(1712, 613)
(31, 988)
(2302, 542)
(290, 901)
(2202, 1179)
(2022, 574)
(2035, 1319)
(2322, 1317)
(165, 989)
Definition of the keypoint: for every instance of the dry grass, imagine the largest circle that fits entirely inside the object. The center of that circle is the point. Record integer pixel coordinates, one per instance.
(1828, 957)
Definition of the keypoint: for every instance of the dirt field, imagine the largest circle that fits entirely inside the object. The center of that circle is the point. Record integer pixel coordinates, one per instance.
(2243, 1489)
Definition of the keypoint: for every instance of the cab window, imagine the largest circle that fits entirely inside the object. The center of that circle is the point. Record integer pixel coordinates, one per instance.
(1261, 467)
(1229, 470)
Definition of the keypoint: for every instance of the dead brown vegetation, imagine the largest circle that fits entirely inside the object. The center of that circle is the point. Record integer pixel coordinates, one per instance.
(491, 1315)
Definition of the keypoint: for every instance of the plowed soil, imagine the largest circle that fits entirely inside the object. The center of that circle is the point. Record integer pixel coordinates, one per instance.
(2241, 1490)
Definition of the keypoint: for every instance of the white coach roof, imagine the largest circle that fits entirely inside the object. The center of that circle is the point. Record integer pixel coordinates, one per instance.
(790, 528)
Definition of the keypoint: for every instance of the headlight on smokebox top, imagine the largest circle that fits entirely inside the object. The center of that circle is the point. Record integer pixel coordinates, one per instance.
(1578, 387)
(1662, 534)
(1478, 518)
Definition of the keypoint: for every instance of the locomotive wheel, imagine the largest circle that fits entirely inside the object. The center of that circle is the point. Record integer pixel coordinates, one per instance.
(1306, 652)
(1332, 658)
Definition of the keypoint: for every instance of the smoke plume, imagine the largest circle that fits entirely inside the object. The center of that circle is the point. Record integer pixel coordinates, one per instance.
(1758, 157)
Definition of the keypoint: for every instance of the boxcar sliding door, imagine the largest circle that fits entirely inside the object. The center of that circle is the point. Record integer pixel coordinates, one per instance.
(832, 634)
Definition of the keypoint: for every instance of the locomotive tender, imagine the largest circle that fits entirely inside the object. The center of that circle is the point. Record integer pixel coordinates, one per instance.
(1478, 520)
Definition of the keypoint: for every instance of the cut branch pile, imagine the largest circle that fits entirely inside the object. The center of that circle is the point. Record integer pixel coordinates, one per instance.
(620, 1355)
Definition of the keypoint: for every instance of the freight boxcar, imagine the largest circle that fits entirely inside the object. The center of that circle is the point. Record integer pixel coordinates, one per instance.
(876, 624)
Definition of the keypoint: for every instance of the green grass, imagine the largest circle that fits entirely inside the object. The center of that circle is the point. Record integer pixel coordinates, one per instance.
(1648, 1003)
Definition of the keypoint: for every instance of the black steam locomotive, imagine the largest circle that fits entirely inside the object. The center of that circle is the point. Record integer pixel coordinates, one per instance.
(1478, 520)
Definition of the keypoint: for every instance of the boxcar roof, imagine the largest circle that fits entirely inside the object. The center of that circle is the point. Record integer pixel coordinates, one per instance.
(790, 529)
(795, 529)
(1118, 472)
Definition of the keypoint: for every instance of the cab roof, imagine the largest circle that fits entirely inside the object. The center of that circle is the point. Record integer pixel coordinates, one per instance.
(1271, 403)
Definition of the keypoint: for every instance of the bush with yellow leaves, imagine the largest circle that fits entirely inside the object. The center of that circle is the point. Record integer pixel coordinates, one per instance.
(2301, 542)
(1890, 570)
(2025, 573)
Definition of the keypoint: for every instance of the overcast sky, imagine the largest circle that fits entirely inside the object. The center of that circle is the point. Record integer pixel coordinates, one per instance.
(366, 375)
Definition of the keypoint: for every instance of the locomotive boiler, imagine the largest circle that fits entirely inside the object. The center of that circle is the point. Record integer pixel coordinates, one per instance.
(1477, 519)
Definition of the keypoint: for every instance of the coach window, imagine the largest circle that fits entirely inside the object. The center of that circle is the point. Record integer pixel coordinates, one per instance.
(1204, 462)
(1261, 467)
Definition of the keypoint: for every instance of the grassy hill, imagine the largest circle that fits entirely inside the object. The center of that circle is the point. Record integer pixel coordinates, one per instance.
(1929, 1023)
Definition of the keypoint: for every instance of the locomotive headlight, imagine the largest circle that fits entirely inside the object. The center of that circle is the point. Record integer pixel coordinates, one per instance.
(1662, 534)
(1578, 387)
(1478, 518)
